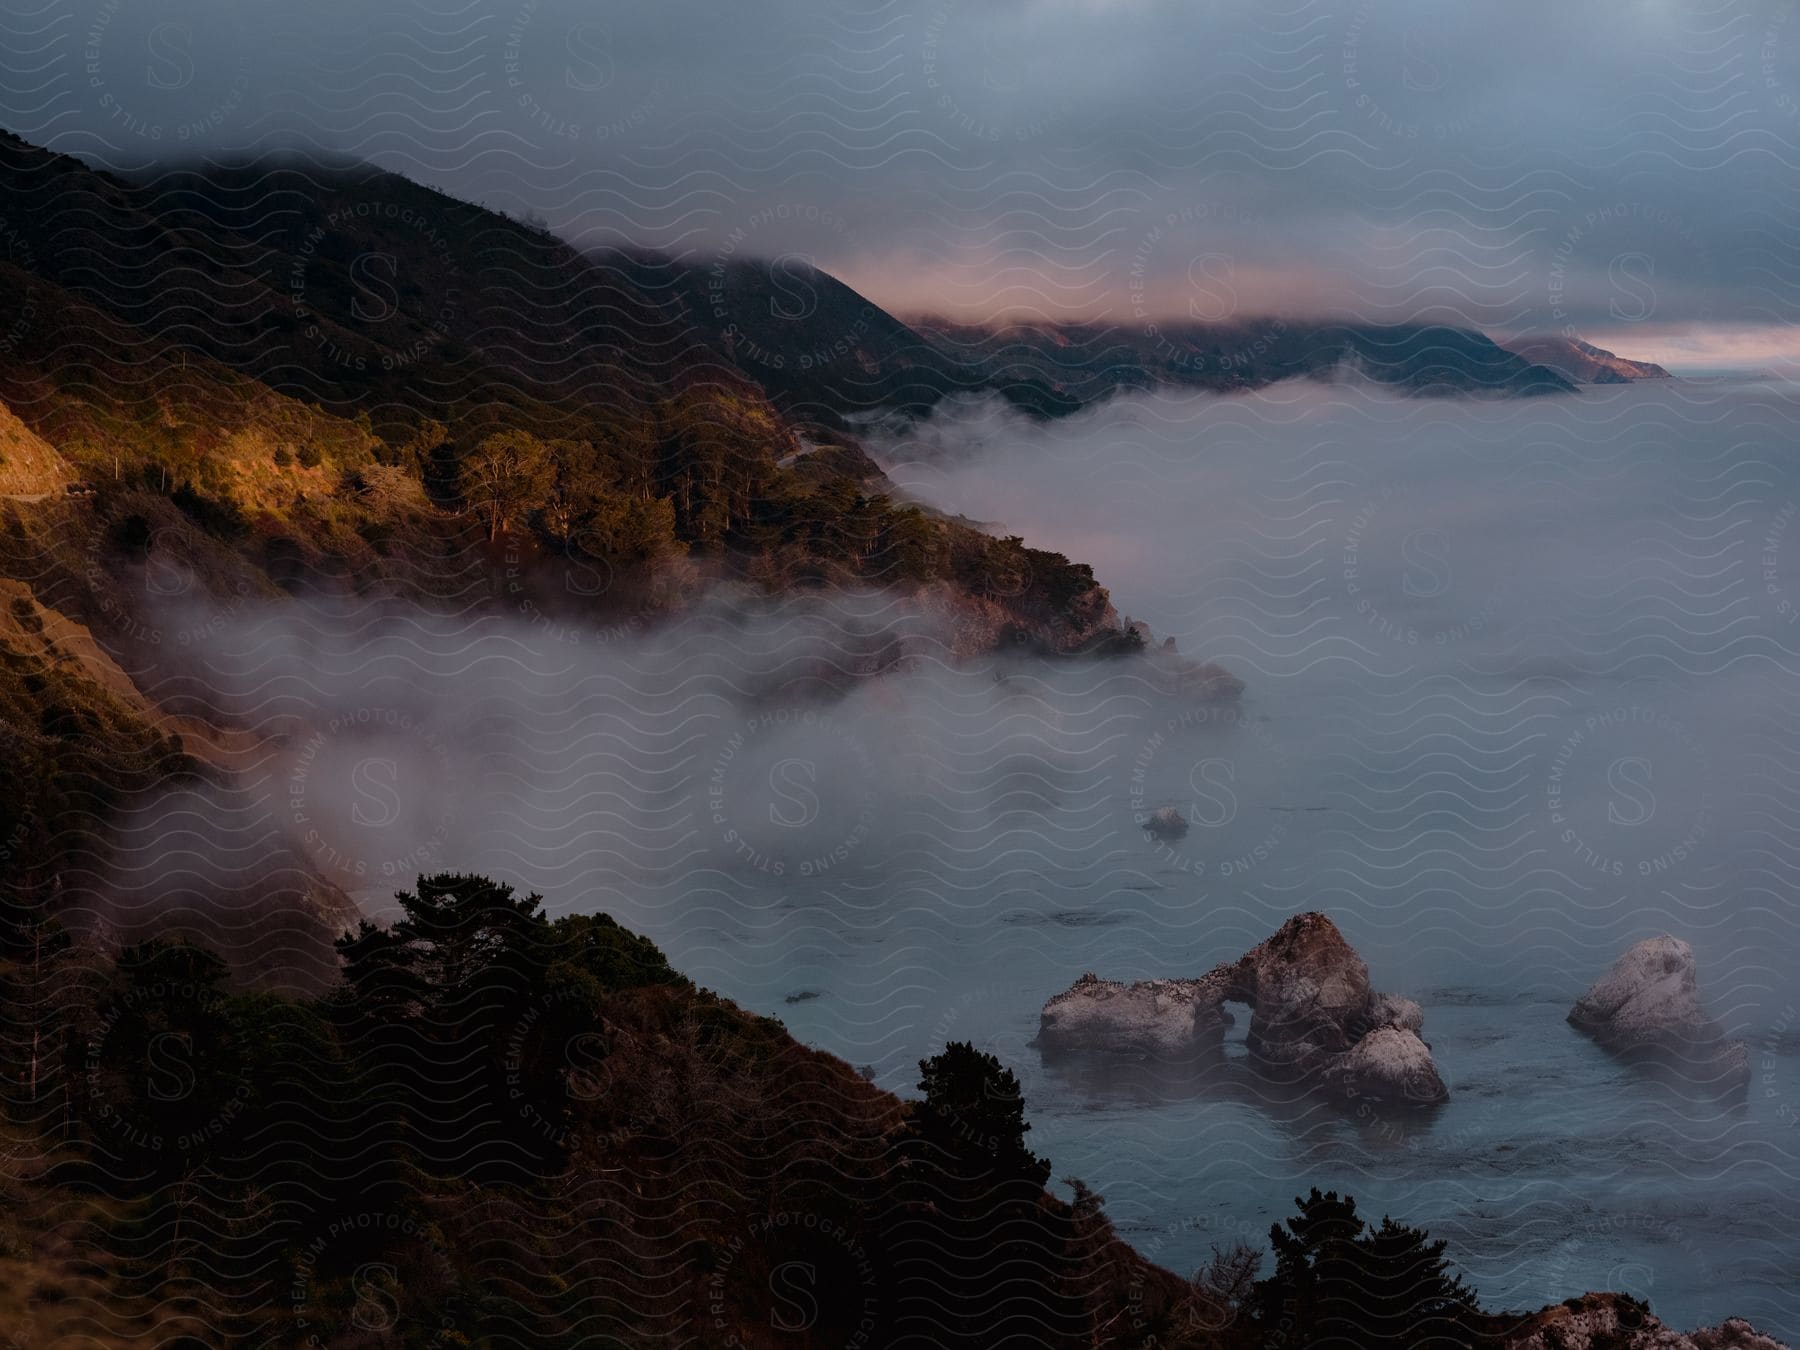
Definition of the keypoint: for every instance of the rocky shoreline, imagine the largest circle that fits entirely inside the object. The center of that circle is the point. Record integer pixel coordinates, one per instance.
(1612, 1321)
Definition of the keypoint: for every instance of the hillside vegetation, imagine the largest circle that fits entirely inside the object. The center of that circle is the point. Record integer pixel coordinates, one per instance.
(232, 386)
(231, 1112)
(498, 1130)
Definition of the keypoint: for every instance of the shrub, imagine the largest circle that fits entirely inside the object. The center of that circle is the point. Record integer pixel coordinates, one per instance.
(216, 515)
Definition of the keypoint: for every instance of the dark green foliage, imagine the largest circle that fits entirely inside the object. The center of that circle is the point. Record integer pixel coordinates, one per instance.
(974, 1116)
(975, 1213)
(1340, 1281)
(546, 1127)
(504, 477)
(434, 999)
(597, 947)
(458, 938)
(216, 515)
(164, 1073)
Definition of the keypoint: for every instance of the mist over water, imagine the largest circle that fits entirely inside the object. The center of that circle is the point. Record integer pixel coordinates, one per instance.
(1520, 692)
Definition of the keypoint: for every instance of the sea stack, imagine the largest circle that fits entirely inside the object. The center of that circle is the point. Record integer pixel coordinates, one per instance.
(1161, 1018)
(1313, 1017)
(1648, 1005)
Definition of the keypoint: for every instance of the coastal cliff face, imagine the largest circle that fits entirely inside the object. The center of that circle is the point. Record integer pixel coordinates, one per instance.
(29, 465)
(1313, 1017)
(883, 365)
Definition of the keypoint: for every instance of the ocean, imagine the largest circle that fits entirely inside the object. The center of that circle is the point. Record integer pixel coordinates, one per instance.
(1519, 691)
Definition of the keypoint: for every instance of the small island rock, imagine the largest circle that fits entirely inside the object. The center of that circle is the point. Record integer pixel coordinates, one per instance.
(1313, 1017)
(1391, 1010)
(1150, 1017)
(1390, 1064)
(1166, 823)
(1648, 1002)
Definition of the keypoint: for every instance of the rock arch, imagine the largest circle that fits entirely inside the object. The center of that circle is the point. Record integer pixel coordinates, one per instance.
(1312, 1015)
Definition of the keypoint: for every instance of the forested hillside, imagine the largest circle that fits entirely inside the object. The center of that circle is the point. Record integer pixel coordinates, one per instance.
(225, 388)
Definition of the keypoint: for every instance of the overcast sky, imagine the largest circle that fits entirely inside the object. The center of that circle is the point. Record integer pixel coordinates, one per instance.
(1625, 168)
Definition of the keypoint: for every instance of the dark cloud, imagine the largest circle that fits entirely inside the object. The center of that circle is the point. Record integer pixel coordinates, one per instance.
(1621, 167)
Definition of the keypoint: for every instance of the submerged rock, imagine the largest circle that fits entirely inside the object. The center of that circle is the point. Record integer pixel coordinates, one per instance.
(1313, 1016)
(1648, 1003)
(1167, 823)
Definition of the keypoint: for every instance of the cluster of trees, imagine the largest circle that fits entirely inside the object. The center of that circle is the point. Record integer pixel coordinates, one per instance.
(714, 485)
(247, 1140)
(499, 1128)
(1337, 1280)
(1340, 1280)
(568, 492)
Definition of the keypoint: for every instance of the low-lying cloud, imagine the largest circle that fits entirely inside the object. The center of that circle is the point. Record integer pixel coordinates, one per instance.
(1620, 168)
(1524, 663)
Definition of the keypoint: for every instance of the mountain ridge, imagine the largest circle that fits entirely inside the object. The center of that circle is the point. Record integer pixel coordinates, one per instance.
(1581, 361)
(252, 379)
(260, 381)
(831, 353)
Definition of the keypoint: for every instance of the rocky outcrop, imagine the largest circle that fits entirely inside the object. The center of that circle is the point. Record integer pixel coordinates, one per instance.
(1620, 1322)
(1389, 1064)
(1182, 676)
(1648, 1004)
(1165, 1018)
(1392, 1010)
(1166, 823)
(1308, 993)
(29, 465)
(1313, 1017)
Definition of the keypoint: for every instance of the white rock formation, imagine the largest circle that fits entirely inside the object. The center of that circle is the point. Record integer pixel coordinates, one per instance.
(1649, 1001)
(1394, 1011)
(1312, 1016)
(1151, 1017)
(1390, 1064)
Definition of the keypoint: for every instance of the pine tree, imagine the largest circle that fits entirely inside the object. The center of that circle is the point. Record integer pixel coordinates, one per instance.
(974, 1112)
(1339, 1281)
